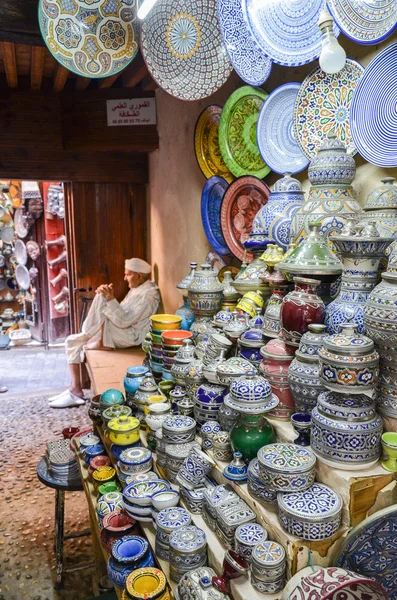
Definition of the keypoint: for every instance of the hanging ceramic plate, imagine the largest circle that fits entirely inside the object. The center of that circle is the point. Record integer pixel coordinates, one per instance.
(7, 234)
(20, 252)
(275, 131)
(237, 132)
(22, 276)
(211, 200)
(242, 200)
(182, 47)
(287, 31)
(322, 107)
(370, 549)
(16, 193)
(365, 22)
(248, 60)
(93, 38)
(373, 114)
(20, 223)
(206, 144)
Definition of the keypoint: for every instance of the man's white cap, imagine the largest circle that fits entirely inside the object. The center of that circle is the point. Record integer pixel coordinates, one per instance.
(138, 265)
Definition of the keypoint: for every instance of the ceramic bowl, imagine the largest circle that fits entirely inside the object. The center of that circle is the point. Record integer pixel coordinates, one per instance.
(165, 499)
(136, 478)
(165, 322)
(110, 397)
(69, 432)
(92, 451)
(141, 493)
(148, 583)
(169, 353)
(156, 337)
(100, 461)
(103, 475)
(167, 375)
(156, 353)
(176, 337)
(110, 486)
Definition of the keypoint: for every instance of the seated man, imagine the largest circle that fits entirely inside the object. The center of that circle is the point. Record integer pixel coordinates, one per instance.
(111, 325)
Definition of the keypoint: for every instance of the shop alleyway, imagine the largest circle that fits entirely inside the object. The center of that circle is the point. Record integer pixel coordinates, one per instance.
(26, 506)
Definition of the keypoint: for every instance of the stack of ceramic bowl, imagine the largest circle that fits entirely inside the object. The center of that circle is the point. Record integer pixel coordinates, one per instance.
(137, 497)
(160, 323)
(247, 537)
(147, 388)
(160, 449)
(175, 455)
(133, 461)
(249, 345)
(187, 551)
(268, 565)
(128, 554)
(171, 342)
(167, 521)
(182, 360)
(216, 352)
(132, 380)
(207, 401)
(231, 368)
(256, 488)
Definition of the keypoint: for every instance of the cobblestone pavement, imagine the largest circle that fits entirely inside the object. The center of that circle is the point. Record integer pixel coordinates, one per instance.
(27, 561)
(30, 371)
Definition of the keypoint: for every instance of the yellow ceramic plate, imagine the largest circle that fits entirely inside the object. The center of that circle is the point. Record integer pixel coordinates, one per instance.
(206, 144)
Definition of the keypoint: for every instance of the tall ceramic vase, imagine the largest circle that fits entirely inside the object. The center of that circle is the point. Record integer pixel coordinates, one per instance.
(301, 307)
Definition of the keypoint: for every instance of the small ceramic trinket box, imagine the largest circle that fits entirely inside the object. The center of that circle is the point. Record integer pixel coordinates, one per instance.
(208, 431)
(248, 536)
(178, 429)
(167, 521)
(256, 488)
(194, 469)
(268, 566)
(313, 514)
(230, 517)
(286, 467)
(197, 585)
(221, 446)
(135, 460)
(187, 551)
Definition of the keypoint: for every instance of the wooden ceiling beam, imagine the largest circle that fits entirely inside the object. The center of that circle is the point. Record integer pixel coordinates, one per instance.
(107, 82)
(148, 85)
(82, 83)
(135, 72)
(36, 71)
(60, 77)
(10, 63)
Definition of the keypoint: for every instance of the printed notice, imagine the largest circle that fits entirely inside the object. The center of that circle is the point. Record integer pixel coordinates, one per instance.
(136, 111)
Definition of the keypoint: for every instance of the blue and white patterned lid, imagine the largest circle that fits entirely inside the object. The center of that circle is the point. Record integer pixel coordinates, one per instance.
(268, 554)
(188, 539)
(210, 428)
(135, 456)
(251, 534)
(171, 518)
(317, 502)
(178, 424)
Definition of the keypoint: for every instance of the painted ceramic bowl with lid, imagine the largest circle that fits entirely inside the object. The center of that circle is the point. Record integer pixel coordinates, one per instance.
(268, 564)
(286, 467)
(231, 368)
(178, 429)
(251, 394)
(135, 460)
(111, 397)
(124, 430)
(113, 412)
(346, 431)
(313, 514)
(349, 362)
(248, 536)
(256, 488)
(187, 550)
(276, 358)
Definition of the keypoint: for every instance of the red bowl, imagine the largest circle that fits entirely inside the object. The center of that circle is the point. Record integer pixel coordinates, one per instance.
(69, 432)
(176, 337)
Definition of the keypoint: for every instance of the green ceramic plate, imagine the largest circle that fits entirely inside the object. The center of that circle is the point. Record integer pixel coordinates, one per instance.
(237, 132)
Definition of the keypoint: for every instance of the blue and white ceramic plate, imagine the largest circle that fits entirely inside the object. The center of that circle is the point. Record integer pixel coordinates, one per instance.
(91, 38)
(370, 549)
(248, 60)
(275, 131)
(365, 22)
(373, 115)
(287, 32)
(211, 201)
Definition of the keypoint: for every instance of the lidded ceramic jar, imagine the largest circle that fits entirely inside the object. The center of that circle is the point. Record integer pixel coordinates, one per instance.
(207, 400)
(110, 398)
(257, 321)
(227, 417)
(256, 488)
(249, 344)
(146, 388)
(313, 514)
(208, 431)
(380, 311)
(250, 279)
(276, 358)
(222, 317)
(286, 467)
(271, 318)
(197, 585)
(188, 551)
(346, 431)
(235, 327)
(221, 446)
(156, 414)
(132, 381)
(185, 311)
(178, 429)
(183, 285)
(332, 164)
(304, 371)
(135, 460)
(232, 368)
(205, 292)
(194, 377)
(248, 536)
(349, 362)
(124, 431)
(268, 565)
(167, 521)
(251, 394)
(182, 359)
(113, 412)
(175, 455)
(301, 307)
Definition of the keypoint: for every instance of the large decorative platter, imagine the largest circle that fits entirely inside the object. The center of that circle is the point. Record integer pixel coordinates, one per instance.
(367, 22)
(286, 31)
(22, 276)
(182, 47)
(211, 200)
(275, 131)
(370, 549)
(241, 202)
(206, 144)
(373, 115)
(20, 252)
(322, 107)
(93, 38)
(237, 132)
(248, 60)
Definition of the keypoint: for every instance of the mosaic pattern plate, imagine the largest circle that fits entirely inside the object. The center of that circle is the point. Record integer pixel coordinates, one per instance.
(365, 22)
(93, 38)
(371, 549)
(182, 47)
(373, 115)
(322, 107)
(211, 200)
(206, 144)
(242, 200)
(248, 60)
(275, 131)
(237, 132)
(286, 31)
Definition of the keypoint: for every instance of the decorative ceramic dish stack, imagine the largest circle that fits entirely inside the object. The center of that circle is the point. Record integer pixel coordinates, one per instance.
(137, 497)
(187, 551)
(169, 520)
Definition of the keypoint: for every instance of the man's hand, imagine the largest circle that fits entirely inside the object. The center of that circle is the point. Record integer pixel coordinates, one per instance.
(107, 291)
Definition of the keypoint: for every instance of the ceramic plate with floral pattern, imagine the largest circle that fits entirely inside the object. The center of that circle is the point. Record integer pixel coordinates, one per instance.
(182, 47)
(93, 38)
(322, 107)
(241, 202)
(237, 132)
(206, 144)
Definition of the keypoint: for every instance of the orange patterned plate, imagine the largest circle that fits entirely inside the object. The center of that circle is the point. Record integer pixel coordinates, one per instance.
(206, 144)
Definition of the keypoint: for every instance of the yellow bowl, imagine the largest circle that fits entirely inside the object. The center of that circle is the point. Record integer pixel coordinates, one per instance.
(165, 322)
(103, 475)
(146, 583)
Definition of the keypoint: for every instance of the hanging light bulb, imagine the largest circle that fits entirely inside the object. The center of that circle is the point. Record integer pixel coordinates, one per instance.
(333, 57)
(145, 8)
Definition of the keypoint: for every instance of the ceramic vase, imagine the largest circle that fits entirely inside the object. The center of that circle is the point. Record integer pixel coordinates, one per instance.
(276, 359)
(301, 307)
(250, 433)
(205, 292)
(132, 380)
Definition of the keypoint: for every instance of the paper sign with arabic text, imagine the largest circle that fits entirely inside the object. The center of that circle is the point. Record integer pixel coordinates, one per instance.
(135, 111)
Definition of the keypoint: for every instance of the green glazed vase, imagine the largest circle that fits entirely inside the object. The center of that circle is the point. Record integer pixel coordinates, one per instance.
(250, 433)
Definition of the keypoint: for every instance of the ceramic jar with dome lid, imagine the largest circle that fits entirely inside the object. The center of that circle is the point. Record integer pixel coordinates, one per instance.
(304, 370)
(250, 279)
(276, 359)
(275, 218)
(185, 311)
(349, 362)
(205, 292)
(194, 377)
(230, 295)
(182, 360)
(146, 388)
(249, 345)
(271, 318)
(381, 206)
